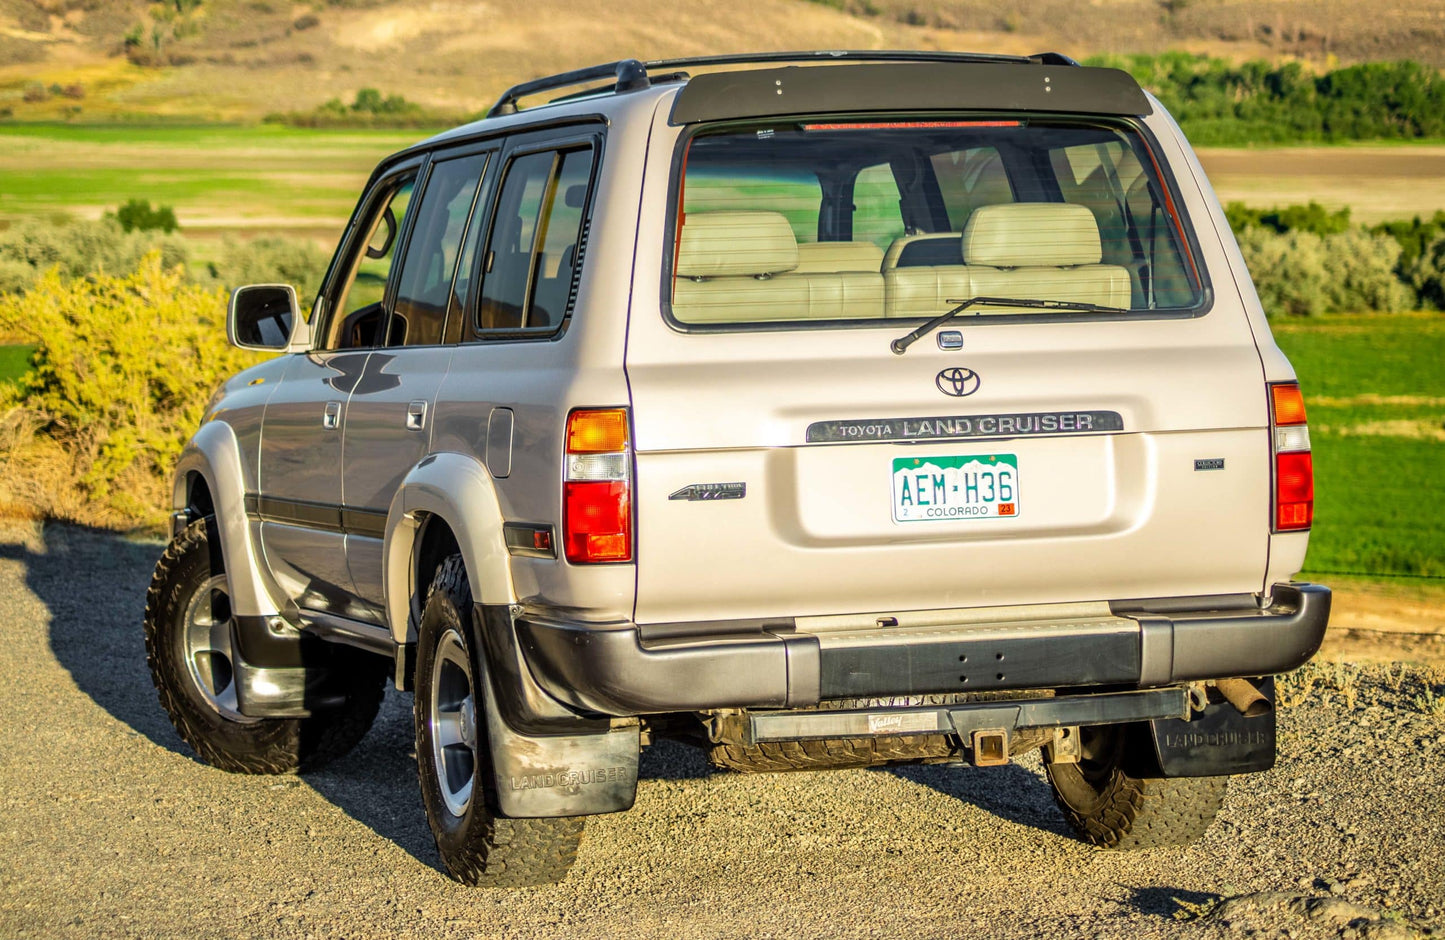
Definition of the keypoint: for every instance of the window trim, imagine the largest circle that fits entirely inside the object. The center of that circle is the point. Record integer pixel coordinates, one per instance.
(1164, 173)
(515, 149)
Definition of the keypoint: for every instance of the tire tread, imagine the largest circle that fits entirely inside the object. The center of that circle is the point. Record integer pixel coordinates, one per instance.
(269, 746)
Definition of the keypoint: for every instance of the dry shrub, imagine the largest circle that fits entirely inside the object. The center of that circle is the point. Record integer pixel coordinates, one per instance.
(1304, 274)
(123, 368)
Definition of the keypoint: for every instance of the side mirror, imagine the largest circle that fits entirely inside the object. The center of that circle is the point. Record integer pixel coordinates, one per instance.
(262, 316)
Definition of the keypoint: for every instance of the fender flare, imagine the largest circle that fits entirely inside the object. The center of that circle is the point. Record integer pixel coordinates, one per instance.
(458, 489)
(214, 454)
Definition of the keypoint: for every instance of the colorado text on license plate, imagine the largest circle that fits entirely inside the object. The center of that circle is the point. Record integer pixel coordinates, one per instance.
(932, 489)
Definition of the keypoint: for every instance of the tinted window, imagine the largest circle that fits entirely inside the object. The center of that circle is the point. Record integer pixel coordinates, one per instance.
(968, 179)
(358, 318)
(425, 286)
(532, 259)
(794, 193)
(876, 219)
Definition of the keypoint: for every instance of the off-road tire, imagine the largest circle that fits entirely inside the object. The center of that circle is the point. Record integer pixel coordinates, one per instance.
(829, 754)
(481, 847)
(249, 746)
(1111, 809)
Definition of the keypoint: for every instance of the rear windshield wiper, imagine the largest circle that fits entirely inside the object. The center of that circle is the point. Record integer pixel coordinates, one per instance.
(901, 344)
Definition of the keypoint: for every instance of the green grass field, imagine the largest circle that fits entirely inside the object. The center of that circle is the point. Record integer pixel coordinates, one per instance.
(262, 179)
(1375, 394)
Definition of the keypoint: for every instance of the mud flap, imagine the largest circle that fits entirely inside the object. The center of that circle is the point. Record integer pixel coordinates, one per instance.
(563, 774)
(1216, 742)
(285, 676)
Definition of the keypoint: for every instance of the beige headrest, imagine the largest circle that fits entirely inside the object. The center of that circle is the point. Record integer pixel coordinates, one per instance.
(719, 244)
(838, 257)
(1031, 234)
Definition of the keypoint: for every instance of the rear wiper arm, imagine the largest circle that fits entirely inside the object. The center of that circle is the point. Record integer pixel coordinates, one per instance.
(901, 344)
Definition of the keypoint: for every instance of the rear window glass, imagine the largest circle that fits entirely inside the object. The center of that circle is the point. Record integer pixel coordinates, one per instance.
(848, 221)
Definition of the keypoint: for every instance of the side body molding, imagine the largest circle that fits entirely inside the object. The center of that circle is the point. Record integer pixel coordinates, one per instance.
(458, 489)
(214, 454)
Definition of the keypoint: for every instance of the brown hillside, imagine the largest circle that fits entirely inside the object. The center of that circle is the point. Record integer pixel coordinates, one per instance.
(240, 59)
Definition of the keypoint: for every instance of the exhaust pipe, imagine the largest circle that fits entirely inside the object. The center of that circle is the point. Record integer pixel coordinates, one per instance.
(1246, 699)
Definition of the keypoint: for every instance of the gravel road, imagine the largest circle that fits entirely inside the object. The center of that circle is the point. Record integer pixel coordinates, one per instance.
(110, 826)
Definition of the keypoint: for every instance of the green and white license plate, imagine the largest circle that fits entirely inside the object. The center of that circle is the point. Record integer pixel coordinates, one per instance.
(939, 489)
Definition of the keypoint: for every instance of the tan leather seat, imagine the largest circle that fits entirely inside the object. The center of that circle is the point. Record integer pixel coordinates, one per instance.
(746, 266)
(921, 273)
(728, 267)
(1043, 250)
(836, 257)
(843, 278)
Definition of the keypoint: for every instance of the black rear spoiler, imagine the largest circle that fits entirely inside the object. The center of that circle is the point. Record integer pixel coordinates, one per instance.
(909, 86)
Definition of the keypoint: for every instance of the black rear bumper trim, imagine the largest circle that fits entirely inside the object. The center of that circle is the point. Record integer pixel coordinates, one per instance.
(613, 670)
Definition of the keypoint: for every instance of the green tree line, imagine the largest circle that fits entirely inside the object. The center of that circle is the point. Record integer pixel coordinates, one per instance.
(1220, 103)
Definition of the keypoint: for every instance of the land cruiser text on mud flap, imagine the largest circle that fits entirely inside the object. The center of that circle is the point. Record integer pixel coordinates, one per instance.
(821, 410)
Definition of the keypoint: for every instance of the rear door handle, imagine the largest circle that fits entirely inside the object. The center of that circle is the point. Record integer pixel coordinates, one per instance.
(331, 417)
(416, 416)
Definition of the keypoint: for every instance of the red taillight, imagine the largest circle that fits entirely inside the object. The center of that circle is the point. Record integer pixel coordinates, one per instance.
(597, 488)
(1294, 475)
(1294, 491)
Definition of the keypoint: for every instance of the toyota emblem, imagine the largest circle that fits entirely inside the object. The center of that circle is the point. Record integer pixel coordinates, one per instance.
(957, 382)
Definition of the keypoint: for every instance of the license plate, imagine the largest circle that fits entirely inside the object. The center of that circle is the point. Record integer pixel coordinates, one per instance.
(939, 489)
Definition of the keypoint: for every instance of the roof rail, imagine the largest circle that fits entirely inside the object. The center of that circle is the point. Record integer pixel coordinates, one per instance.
(629, 74)
(1054, 58)
(632, 75)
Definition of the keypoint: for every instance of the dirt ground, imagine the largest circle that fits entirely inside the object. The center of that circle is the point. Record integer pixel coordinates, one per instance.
(1386, 622)
(109, 826)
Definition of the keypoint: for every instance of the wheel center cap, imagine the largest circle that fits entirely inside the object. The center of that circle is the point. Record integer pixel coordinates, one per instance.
(468, 715)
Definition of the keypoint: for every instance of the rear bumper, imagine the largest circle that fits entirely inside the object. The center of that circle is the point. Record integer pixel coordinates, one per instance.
(614, 670)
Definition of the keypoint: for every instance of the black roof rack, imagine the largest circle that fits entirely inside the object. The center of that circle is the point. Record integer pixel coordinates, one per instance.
(632, 74)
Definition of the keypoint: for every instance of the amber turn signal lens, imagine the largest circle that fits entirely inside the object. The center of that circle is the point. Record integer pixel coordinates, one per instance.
(1289, 404)
(597, 432)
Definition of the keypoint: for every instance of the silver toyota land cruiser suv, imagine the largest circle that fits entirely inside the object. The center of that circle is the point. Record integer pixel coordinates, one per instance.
(820, 410)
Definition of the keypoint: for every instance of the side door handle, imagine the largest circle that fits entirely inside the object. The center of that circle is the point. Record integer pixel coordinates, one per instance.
(416, 416)
(331, 417)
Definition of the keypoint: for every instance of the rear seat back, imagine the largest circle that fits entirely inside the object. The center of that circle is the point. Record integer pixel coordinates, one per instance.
(844, 282)
(749, 266)
(921, 273)
(1049, 251)
(835, 257)
(1046, 250)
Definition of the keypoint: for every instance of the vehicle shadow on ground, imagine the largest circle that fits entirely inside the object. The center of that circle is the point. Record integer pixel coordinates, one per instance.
(376, 783)
(1012, 792)
(93, 584)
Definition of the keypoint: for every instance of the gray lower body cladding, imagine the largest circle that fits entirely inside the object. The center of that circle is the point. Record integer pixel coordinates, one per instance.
(614, 671)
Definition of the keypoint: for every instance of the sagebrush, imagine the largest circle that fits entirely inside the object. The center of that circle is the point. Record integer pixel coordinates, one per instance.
(1303, 274)
(122, 369)
(79, 248)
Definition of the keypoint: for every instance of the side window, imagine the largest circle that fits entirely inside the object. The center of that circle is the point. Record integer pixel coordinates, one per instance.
(424, 288)
(968, 179)
(534, 253)
(358, 319)
(877, 217)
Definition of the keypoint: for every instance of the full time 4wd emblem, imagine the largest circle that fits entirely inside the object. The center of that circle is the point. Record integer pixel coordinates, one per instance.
(958, 382)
